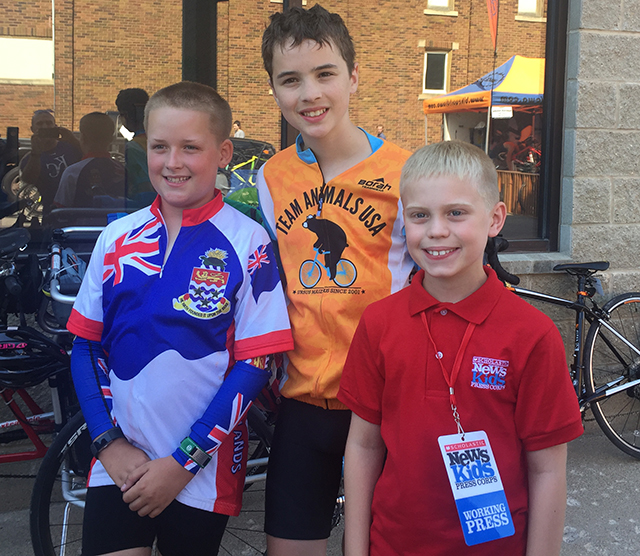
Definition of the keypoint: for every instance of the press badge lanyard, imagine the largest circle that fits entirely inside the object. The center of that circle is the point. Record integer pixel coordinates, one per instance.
(471, 466)
(451, 379)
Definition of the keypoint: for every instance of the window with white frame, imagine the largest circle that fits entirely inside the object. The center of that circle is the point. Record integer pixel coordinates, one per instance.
(436, 72)
(445, 5)
(26, 60)
(530, 7)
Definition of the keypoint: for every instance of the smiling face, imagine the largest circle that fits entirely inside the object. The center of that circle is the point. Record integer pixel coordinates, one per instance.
(312, 85)
(447, 223)
(184, 156)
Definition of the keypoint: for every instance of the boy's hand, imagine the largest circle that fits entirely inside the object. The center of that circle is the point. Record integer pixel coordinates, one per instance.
(120, 459)
(150, 488)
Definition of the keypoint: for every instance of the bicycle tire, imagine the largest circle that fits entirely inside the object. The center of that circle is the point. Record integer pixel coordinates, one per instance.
(608, 359)
(66, 465)
(347, 270)
(310, 273)
(260, 438)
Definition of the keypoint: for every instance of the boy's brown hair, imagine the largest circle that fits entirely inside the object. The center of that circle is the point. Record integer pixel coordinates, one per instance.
(96, 131)
(194, 96)
(296, 25)
(454, 158)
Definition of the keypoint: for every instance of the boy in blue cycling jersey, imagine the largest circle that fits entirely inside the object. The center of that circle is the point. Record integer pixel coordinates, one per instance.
(180, 306)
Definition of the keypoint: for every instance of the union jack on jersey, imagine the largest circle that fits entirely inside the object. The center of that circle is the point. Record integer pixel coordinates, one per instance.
(219, 433)
(133, 249)
(258, 258)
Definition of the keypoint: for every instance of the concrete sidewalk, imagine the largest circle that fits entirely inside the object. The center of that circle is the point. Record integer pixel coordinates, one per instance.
(602, 505)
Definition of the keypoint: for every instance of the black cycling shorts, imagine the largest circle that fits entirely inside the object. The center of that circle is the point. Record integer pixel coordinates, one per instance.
(305, 469)
(109, 526)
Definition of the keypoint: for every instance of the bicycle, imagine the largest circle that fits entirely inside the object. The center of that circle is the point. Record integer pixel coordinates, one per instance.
(311, 271)
(605, 367)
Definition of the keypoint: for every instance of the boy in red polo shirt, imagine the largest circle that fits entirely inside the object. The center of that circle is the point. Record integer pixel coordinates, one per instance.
(462, 404)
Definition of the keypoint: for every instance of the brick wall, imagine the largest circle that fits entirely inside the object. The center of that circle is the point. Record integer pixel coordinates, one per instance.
(18, 101)
(103, 46)
(391, 63)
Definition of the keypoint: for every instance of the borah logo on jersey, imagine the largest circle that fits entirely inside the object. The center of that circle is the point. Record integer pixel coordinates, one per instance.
(489, 374)
(205, 298)
(376, 185)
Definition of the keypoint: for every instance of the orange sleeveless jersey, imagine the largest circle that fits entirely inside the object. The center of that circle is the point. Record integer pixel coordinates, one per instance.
(361, 227)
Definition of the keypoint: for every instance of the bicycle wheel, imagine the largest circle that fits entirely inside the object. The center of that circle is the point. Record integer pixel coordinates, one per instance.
(611, 362)
(310, 273)
(260, 437)
(244, 533)
(345, 273)
(57, 502)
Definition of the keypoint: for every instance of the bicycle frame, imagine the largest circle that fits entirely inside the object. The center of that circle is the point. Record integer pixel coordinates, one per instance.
(583, 311)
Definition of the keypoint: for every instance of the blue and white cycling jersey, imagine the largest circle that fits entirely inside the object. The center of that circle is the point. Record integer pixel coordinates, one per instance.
(173, 330)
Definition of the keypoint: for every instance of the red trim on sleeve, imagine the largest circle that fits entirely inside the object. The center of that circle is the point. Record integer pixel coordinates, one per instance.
(274, 342)
(84, 327)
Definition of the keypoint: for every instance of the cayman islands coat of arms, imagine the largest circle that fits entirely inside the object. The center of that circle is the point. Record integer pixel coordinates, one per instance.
(205, 298)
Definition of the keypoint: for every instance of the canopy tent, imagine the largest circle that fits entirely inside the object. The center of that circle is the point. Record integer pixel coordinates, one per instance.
(519, 82)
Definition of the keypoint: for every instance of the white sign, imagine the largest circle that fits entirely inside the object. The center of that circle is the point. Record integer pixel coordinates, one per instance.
(501, 112)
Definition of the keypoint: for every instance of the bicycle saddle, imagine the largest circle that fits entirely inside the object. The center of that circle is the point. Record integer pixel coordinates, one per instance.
(583, 268)
(12, 239)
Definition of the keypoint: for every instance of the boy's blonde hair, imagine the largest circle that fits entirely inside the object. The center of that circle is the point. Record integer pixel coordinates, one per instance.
(194, 96)
(454, 158)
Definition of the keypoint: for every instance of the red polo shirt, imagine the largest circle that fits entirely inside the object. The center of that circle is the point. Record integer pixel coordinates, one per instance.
(513, 384)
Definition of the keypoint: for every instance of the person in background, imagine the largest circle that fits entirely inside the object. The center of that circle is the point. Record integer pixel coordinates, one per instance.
(97, 180)
(53, 149)
(380, 132)
(131, 104)
(237, 130)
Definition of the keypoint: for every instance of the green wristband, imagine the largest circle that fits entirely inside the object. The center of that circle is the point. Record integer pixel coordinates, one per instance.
(193, 451)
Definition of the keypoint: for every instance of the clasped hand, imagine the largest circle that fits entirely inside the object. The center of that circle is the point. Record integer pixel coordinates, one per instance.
(148, 486)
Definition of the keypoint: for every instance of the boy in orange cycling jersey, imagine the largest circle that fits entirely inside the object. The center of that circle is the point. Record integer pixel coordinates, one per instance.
(332, 203)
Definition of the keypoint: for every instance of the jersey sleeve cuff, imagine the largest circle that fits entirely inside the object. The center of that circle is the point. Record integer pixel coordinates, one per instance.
(273, 342)
(84, 327)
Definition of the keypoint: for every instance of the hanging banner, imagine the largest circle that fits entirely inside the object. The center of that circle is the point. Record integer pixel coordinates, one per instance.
(492, 7)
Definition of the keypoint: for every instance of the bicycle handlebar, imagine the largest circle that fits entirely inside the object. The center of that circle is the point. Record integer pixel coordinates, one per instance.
(494, 246)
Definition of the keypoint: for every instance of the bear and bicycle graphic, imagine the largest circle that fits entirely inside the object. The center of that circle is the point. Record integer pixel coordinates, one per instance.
(331, 243)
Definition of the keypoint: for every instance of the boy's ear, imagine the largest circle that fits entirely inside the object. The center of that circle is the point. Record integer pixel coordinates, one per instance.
(226, 152)
(273, 92)
(498, 217)
(355, 77)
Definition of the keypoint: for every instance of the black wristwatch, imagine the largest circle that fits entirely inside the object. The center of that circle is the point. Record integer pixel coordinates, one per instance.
(105, 439)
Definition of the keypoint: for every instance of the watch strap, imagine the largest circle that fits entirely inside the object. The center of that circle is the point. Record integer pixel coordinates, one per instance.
(105, 439)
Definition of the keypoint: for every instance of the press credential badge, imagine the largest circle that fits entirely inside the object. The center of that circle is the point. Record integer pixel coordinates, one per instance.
(477, 487)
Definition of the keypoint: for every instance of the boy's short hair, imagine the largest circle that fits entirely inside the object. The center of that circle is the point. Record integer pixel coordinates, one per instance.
(131, 103)
(188, 95)
(37, 113)
(97, 129)
(454, 158)
(297, 25)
